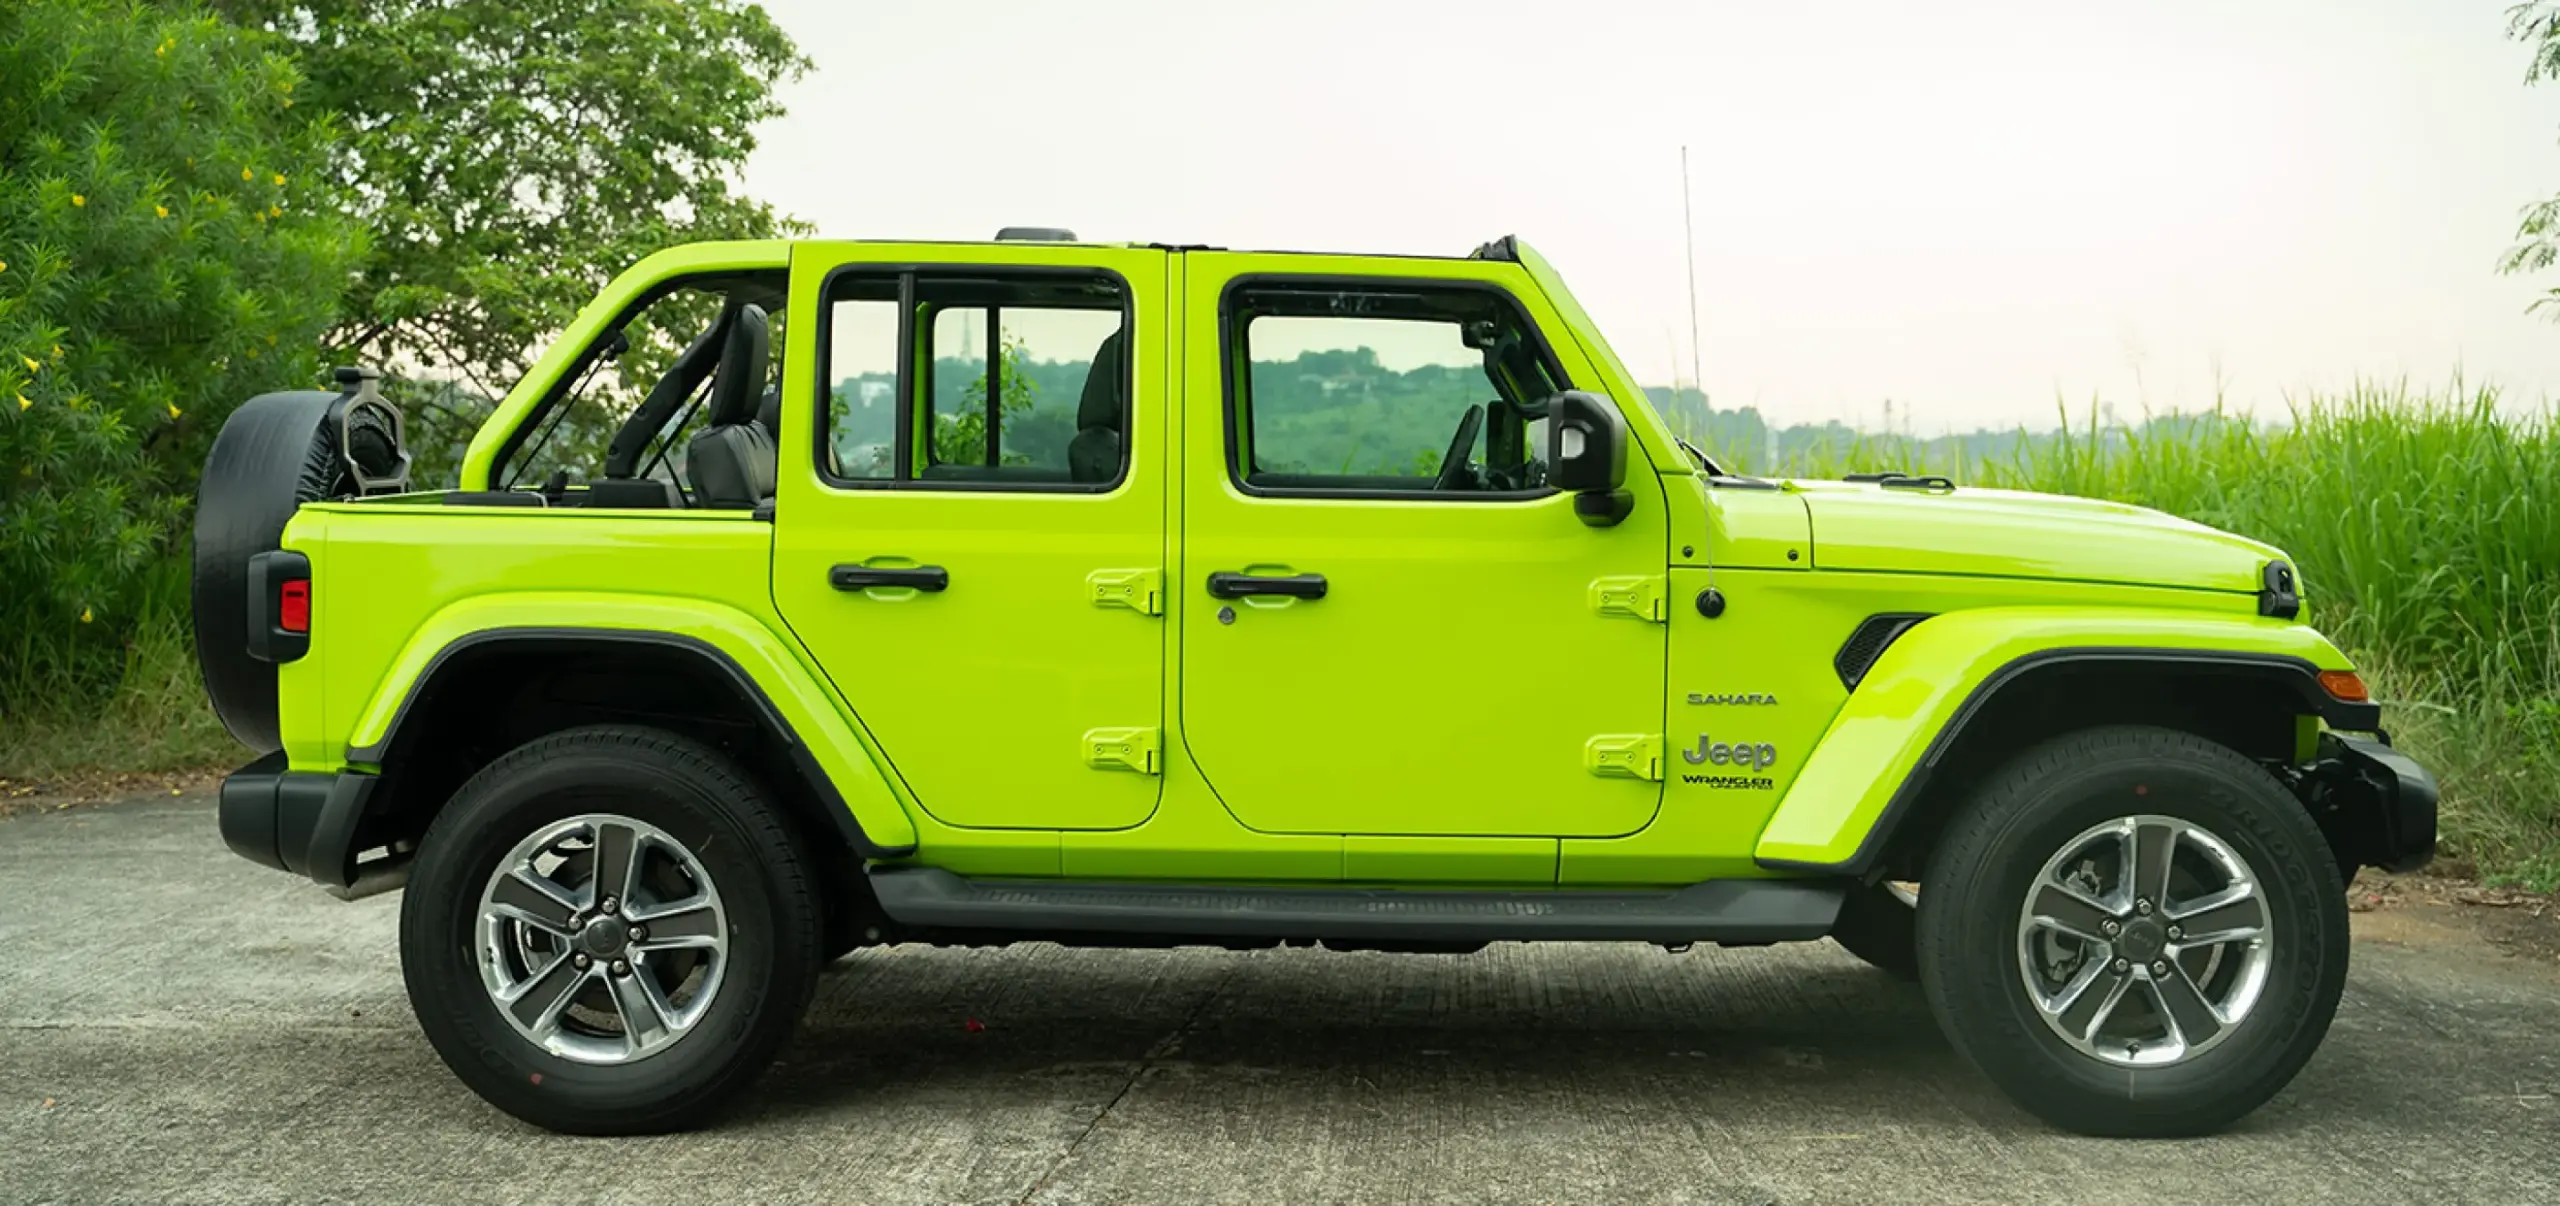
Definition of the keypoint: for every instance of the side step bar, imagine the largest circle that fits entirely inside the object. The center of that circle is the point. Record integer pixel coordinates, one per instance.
(1725, 910)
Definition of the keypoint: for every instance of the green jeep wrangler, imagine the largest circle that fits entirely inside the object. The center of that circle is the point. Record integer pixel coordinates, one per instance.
(1039, 590)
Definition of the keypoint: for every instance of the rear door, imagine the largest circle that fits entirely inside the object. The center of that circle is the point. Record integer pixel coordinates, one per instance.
(1394, 627)
(970, 521)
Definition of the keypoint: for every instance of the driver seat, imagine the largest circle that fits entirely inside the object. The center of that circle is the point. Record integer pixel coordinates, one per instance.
(1094, 455)
(731, 461)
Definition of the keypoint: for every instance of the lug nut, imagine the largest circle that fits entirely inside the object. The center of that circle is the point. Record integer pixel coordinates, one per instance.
(2109, 927)
(581, 962)
(640, 933)
(2159, 967)
(2175, 933)
(606, 905)
(2140, 906)
(621, 968)
(2123, 964)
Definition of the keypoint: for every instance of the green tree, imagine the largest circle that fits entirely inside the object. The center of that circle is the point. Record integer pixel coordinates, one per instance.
(510, 156)
(166, 251)
(2536, 23)
(960, 434)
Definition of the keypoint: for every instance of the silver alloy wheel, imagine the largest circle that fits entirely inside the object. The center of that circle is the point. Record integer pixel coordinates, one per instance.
(602, 939)
(2145, 941)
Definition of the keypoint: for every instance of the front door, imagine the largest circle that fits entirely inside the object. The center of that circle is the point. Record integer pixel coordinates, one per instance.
(970, 523)
(1394, 627)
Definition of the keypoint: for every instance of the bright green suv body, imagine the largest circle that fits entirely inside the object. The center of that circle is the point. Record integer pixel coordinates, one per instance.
(1210, 648)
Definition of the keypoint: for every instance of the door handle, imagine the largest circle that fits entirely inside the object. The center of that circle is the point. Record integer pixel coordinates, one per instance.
(862, 577)
(1228, 585)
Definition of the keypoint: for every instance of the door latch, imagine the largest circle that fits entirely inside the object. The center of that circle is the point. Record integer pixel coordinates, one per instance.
(1121, 749)
(1638, 596)
(1624, 756)
(1139, 590)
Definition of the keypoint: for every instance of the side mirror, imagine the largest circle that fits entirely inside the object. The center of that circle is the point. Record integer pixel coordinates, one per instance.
(1587, 454)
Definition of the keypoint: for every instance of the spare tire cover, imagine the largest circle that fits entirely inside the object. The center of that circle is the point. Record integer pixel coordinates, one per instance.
(277, 452)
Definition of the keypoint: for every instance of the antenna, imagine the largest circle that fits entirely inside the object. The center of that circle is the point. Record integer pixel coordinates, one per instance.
(1710, 601)
(1689, 240)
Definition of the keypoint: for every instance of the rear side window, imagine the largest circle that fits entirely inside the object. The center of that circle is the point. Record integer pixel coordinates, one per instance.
(969, 380)
(574, 430)
(1424, 390)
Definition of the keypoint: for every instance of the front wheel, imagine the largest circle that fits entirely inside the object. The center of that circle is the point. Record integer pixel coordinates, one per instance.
(2134, 931)
(609, 931)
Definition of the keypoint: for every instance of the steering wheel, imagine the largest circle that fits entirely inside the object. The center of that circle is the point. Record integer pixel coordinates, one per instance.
(1453, 467)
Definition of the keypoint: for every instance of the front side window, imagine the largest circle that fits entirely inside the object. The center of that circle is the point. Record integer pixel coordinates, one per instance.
(1394, 390)
(1009, 382)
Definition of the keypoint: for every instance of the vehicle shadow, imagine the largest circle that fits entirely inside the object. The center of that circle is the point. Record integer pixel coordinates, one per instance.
(1517, 1021)
(1800, 1029)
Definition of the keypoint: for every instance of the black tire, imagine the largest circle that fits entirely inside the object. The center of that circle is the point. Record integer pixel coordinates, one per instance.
(2029, 811)
(745, 845)
(1880, 927)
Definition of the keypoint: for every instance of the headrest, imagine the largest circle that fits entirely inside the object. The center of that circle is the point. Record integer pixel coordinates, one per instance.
(738, 384)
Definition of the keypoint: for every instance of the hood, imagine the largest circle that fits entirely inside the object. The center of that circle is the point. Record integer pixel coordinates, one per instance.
(2012, 534)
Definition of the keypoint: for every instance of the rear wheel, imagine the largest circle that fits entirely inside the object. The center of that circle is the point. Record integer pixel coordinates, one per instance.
(609, 931)
(2134, 931)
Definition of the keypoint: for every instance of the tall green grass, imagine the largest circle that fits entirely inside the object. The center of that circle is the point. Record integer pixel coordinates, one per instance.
(2427, 530)
(146, 711)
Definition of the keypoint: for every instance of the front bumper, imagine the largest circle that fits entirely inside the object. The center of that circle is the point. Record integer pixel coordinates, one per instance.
(2377, 804)
(298, 821)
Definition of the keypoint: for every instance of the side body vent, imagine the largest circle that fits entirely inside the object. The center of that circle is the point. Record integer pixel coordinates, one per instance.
(1868, 643)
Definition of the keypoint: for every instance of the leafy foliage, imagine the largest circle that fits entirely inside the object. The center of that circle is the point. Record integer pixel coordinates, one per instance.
(166, 251)
(2536, 23)
(510, 156)
(960, 426)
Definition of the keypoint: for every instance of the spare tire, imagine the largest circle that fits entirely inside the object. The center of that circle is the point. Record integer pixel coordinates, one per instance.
(275, 453)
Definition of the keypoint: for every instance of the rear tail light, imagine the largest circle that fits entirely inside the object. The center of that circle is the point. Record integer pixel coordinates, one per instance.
(293, 605)
(279, 606)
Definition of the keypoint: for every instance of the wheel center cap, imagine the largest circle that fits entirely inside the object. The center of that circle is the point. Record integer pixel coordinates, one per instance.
(604, 936)
(2142, 941)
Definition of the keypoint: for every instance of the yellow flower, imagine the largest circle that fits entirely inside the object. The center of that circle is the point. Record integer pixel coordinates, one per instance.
(246, 174)
(275, 211)
(87, 615)
(23, 403)
(57, 351)
(4, 265)
(163, 209)
(279, 177)
(77, 199)
(33, 365)
(174, 412)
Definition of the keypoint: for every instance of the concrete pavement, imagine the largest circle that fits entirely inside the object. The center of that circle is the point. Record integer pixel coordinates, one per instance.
(205, 1030)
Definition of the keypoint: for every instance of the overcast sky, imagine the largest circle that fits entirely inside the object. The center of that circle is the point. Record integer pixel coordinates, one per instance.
(1969, 207)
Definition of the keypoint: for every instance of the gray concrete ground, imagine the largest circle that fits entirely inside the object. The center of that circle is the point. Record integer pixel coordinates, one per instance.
(179, 1025)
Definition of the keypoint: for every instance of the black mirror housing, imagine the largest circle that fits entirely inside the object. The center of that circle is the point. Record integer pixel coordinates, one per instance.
(1587, 455)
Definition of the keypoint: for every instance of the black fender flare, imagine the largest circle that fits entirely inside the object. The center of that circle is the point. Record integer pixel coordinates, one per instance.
(839, 813)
